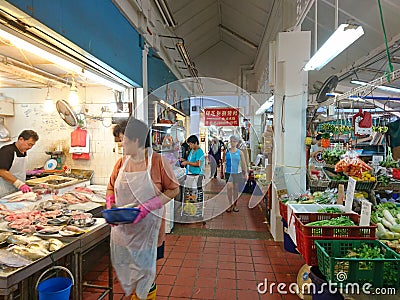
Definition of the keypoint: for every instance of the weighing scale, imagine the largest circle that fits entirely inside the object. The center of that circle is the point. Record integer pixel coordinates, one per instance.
(55, 161)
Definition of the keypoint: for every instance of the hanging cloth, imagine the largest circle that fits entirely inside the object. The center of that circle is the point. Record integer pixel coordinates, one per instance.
(134, 247)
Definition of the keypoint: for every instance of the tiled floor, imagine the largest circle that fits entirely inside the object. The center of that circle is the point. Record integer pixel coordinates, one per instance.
(221, 259)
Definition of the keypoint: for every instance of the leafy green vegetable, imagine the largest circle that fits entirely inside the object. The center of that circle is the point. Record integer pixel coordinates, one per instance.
(339, 221)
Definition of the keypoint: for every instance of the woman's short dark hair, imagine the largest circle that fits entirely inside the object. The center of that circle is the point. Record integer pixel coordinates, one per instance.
(193, 139)
(119, 128)
(138, 130)
(27, 134)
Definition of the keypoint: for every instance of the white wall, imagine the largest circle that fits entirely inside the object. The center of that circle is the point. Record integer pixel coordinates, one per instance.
(52, 130)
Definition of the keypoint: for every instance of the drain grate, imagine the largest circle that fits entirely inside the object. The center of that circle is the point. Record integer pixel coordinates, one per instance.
(225, 233)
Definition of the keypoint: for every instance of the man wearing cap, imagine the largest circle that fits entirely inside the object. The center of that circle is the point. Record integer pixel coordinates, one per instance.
(13, 161)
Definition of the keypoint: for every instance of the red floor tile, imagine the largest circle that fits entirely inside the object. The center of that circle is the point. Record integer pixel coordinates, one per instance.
(163, 290)
(225, 294)
(185, 280)
(205, 282)
(203, 293)
(250, 285)
(231, 274)
(245, 275)
(181, 291)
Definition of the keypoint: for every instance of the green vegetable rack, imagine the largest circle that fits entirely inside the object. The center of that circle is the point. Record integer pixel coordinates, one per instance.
(379, 272)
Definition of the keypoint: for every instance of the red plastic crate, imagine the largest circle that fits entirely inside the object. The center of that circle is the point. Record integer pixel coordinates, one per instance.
(283, 210)
(306, 235)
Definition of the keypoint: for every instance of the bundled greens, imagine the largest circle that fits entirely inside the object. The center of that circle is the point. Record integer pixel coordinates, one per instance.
(367, 252)
(332, 210)
(339, 221)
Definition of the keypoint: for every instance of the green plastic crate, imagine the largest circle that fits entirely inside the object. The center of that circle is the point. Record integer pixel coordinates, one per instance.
(383, 272)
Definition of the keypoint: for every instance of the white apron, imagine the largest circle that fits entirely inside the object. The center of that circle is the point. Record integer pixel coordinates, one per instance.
(18, 169)
(134, 247)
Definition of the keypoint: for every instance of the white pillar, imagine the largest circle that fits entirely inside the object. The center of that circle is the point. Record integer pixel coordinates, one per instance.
(290, 105)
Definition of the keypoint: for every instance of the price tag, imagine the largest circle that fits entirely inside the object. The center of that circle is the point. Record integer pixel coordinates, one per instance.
(376, 159)
(351, 187)
(365, 217)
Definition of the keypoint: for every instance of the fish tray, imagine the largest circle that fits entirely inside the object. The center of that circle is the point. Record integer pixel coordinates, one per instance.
(53, 181)
(378, 272)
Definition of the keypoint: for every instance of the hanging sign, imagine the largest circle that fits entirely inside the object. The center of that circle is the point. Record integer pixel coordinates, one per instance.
(221, 116)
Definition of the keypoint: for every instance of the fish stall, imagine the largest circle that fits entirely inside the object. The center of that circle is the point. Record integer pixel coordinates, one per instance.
(46, 227)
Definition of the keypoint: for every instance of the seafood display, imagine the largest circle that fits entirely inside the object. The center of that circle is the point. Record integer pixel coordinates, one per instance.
(35, 231)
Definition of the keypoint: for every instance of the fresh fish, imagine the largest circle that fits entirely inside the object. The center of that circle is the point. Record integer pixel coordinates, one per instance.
(13, 260)
(4, 236)
(43, 245)
(30, 253)
(55, 244)
(17, 239)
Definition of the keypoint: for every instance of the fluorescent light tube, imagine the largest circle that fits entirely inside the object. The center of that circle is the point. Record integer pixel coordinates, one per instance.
(267, 104)
(381, 87)
(24, 45)
(342, 38)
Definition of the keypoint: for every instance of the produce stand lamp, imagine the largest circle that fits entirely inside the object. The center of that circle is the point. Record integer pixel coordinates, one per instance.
(343, 37)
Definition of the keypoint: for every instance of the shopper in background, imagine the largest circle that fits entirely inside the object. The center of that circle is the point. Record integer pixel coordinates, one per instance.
(143, 179)
(235, 171)
(195, 161)
(13, 163)
(214, 153)
(185, 149)
(316, 150)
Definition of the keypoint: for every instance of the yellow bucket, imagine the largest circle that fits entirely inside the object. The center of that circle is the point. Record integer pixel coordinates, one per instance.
(150, 296)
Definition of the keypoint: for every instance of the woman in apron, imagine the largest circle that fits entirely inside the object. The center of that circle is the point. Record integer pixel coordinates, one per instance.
(145, 180)
(13, 163)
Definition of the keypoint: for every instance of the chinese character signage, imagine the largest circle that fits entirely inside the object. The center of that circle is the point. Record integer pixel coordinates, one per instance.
(221, 116)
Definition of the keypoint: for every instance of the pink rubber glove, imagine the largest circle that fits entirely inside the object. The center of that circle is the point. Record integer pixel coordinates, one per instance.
(25, 188)
(148, 206)
(110, 200)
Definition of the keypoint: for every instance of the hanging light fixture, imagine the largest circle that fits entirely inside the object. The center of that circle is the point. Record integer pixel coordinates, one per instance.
(48, 105)
(73, 97)
(343, 37)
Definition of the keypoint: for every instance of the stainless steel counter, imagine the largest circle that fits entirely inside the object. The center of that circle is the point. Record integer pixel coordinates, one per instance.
(76, 248)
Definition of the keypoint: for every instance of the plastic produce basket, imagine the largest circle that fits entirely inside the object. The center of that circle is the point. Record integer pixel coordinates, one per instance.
(365, 185)
(391, 186)
(283, 210)
(380, 272)
(306, 235)
(330, 173)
